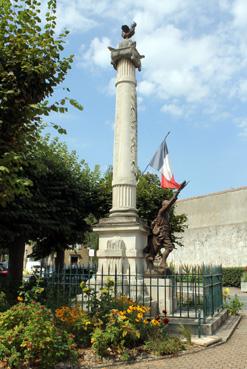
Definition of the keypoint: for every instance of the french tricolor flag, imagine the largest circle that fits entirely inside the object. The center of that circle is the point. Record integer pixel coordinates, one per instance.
(160, 161)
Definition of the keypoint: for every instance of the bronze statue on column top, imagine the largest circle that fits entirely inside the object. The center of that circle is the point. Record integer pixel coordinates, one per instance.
(128, 32)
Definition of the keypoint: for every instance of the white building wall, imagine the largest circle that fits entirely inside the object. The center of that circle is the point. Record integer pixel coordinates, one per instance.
(217, 229)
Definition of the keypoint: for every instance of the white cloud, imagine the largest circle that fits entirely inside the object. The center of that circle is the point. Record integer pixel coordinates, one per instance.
(172, 109)
(242, 125)
(225, 4)
(146, 88)
(176, 65)
(97, 53)
(195, 52)
(242, 90)
(70, 18)
(239, 11)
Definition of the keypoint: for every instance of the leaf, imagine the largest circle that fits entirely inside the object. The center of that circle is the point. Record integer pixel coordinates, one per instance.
(76, 104)
(4, 169)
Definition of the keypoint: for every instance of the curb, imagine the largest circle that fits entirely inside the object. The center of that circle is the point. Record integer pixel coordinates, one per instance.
(231, 330)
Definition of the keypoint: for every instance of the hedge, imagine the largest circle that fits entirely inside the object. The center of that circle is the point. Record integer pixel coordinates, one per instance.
(232, 276)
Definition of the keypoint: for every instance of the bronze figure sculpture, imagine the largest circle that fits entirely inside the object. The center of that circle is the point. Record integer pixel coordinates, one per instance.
(160, 237)
(128, 32)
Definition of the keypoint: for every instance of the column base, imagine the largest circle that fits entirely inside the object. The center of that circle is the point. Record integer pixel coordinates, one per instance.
(121, 243)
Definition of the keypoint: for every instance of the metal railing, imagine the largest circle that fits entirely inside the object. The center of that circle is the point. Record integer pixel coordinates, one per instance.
(191, 295)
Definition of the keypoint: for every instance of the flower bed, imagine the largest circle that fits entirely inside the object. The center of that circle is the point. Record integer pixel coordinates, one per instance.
(113, 328)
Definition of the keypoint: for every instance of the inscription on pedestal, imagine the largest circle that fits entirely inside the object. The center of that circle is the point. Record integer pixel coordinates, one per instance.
(116, 247)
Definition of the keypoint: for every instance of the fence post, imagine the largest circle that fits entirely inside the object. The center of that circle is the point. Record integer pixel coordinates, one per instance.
(199, 324)
(204, 297)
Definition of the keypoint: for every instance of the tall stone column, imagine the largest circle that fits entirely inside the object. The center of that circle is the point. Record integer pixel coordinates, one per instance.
(122, 236)
(125, 60)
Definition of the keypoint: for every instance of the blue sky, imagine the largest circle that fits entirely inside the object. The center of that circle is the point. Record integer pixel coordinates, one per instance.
(193, 83)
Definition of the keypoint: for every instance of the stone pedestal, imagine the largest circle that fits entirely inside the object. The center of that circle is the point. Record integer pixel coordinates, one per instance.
(121, 243)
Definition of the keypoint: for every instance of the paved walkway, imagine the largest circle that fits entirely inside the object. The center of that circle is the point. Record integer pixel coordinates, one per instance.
(230, 355)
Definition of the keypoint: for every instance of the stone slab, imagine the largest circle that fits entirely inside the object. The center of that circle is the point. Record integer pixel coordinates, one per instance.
(205, 340)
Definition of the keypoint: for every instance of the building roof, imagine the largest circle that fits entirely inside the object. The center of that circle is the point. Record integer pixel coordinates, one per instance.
(244, 188)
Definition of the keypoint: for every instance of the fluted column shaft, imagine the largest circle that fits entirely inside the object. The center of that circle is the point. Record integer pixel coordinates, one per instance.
(125, 152)
(125, 130)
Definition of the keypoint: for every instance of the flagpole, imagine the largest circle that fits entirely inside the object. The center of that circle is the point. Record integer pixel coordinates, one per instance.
(166, 136)
(145, 169)
(148, 163)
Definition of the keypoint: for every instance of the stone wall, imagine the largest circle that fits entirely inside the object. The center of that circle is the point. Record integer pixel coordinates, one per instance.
(217, 229)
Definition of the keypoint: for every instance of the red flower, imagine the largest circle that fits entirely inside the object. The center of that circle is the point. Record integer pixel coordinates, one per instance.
(165, 321)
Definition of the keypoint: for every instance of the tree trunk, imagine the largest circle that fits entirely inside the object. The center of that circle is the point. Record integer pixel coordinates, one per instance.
(15, 272)
(59, 261)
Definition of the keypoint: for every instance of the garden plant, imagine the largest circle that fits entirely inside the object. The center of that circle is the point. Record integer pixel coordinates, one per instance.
(110, 326)
(232, 304)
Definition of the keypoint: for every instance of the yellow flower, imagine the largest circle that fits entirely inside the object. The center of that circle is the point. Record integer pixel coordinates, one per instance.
(19, 298)
(122, 317)
(139, 316)
(154, 322)
(226, 292)
(145, 321)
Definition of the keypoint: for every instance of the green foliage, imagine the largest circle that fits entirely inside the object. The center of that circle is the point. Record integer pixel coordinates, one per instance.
(166, 346)
(119, 323)
(123, 329)
(185, 332)
(32, 290)
(100, 304)
(110, 341)
(149, 197)
(28, 336)
(77, 322)
(31, 67)
(244, 277)
(233, 305)
(232, 276)
(64, 193)
(3, 302)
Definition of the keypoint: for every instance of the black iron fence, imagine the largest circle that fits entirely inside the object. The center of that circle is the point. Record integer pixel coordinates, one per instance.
(190, 295)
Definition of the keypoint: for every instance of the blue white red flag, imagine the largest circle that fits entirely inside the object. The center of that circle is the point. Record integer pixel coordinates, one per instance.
(160, 161)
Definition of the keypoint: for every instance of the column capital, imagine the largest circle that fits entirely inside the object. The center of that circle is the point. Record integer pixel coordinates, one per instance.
(126, 50)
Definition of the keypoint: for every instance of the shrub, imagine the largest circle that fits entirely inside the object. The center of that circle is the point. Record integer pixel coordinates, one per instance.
(126, 329)
(32, 290)
(166, 346)
(232, 276)
(244, 276)
(233, 305)
(76, 321)
(123, 329)
(29, 337)
(100, 304)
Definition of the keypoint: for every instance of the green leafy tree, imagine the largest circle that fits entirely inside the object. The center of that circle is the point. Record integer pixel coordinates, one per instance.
(31, 67)
(149, 198)
(64, 193)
